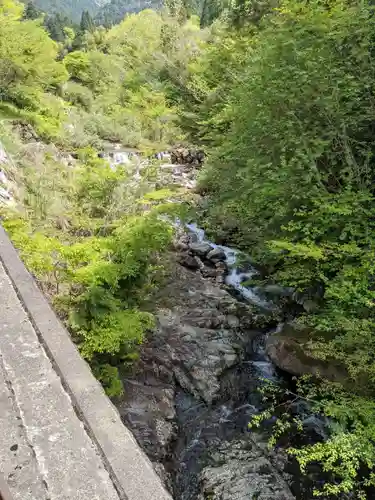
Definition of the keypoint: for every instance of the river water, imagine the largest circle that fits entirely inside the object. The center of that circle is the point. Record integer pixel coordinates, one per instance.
(221, 426)
(204, 427)
(238, 273)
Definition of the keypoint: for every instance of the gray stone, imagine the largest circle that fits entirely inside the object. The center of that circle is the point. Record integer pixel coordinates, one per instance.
(241, 472)
(288, 349)
(200, 249)
(232, 321)
(189, 261)
(209, 272)
(222, 266)
(181, 247)
(216, 254)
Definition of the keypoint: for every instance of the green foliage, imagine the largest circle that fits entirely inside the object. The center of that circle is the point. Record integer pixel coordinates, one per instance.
(284, 104)
(94, 251)
(109, 377)
(27, 62)
(101, 280)
(31, 12)
(56, 25)
(78, 95)
(349, 449)
(120, 82)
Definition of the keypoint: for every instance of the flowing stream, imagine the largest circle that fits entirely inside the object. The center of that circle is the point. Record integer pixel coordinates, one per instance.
(205, 427)
(213, 455)
(238, 273)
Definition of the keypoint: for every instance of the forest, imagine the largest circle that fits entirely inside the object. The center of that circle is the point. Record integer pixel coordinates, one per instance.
(280, 94)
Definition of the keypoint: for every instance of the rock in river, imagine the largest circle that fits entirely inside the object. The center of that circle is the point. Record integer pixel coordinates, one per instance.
(173, 400)
(288, 349)
(200, 249)
(189, 261)
(239, 471)
(216, 255)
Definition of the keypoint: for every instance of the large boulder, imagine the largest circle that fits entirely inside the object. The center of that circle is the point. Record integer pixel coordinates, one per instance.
(200, 249)
(189, 261)
(289, 351)
(216, 255)
(240, 471)
(186, 156)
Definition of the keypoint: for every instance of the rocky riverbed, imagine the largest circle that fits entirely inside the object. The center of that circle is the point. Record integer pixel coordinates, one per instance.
(195, 389)
(191, 396)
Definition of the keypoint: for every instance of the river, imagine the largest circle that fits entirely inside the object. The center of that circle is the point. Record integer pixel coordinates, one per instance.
(196, 387)
(207, 371)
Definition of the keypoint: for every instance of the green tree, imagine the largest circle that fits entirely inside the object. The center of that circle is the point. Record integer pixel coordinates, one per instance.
(31, 11)
(56, 25)
(28, 63)
(87, 23)
(291, 175)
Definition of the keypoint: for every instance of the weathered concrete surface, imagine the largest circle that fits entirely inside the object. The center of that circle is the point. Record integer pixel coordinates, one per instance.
(17, 461)
(71, 462)
(49, 454)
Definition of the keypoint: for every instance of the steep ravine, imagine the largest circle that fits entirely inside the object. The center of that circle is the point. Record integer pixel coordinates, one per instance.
(191, 398)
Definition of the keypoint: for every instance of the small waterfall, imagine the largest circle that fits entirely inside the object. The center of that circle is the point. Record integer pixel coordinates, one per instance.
(239, 273)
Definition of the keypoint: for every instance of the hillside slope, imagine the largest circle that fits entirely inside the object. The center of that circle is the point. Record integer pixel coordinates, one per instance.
(70, 8)
(114, 11)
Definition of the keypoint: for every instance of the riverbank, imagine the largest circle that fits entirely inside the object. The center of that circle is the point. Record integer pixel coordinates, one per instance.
(192, 394)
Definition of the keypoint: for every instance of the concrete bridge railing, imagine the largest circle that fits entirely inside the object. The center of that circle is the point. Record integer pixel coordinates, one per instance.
(128, 467)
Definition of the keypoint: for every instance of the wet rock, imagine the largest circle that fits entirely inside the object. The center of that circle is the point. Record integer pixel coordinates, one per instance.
(221, 265)
(201, 263)
(193, 237)
(149, 411)
(197, 363)
(232, 321)
(201, 335)
(240, 471)
(220, 280)
(189, 261)
(216, 255)
(200, 249)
